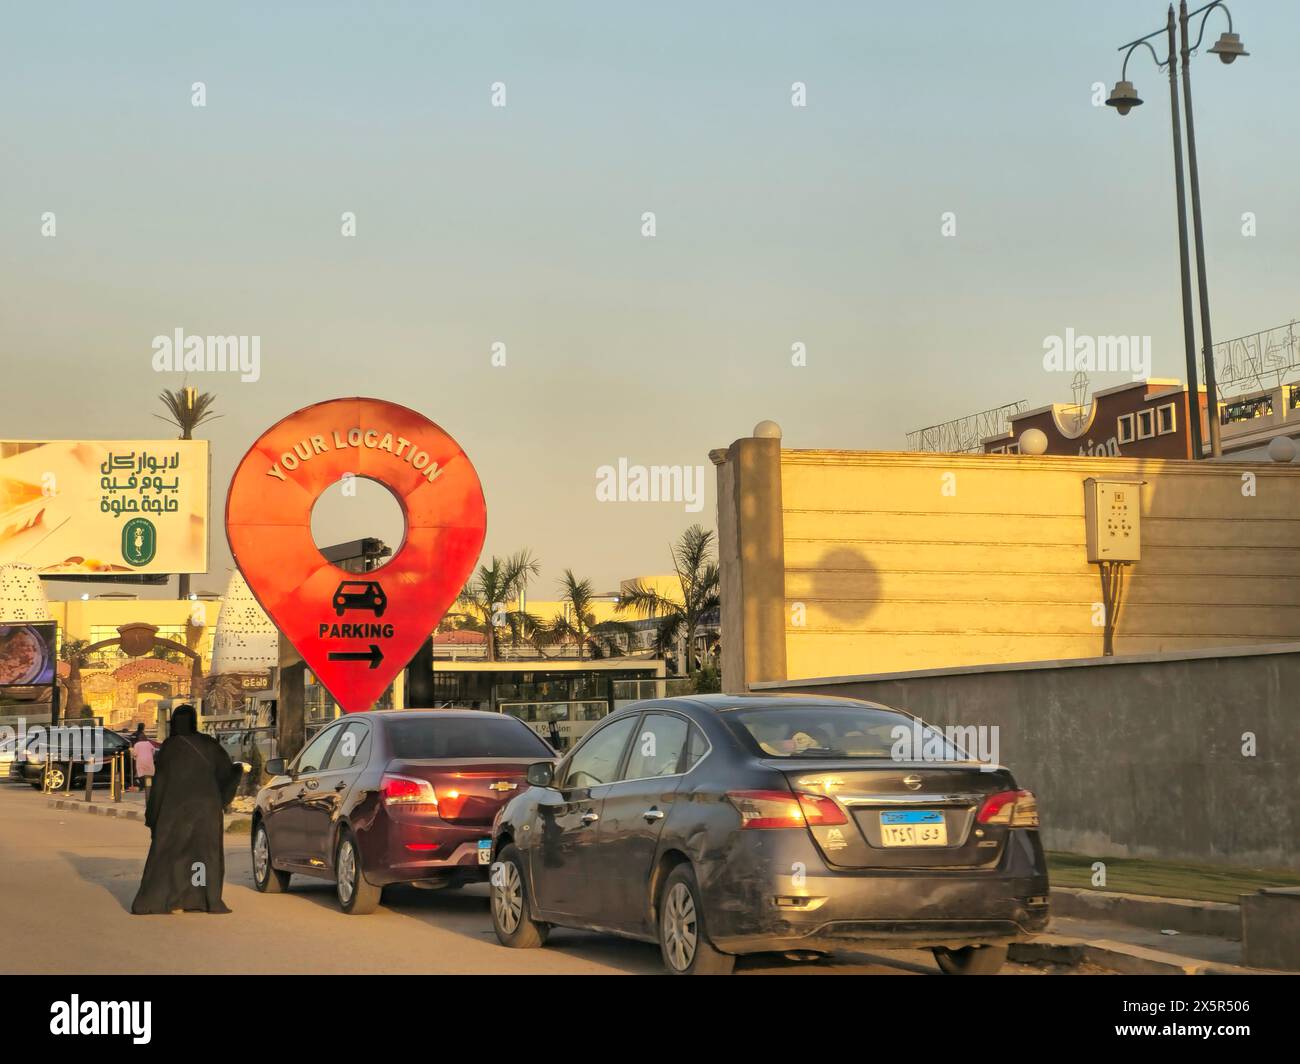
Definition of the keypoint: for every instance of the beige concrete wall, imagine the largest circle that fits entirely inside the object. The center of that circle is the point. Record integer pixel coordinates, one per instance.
(893, 574)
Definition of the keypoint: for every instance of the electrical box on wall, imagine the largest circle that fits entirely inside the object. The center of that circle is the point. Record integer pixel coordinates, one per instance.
(1112, 515)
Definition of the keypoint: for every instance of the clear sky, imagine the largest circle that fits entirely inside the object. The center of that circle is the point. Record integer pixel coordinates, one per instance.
(522, 224)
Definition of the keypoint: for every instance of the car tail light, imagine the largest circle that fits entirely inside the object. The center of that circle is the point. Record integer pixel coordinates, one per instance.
(415, 795)
(1014, 809)
(785, 809)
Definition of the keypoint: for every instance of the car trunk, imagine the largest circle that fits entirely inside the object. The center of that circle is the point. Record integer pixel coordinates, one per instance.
(470, 790)
(926, 822)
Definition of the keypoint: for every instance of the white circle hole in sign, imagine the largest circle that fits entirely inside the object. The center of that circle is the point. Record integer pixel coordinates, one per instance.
(356, 508)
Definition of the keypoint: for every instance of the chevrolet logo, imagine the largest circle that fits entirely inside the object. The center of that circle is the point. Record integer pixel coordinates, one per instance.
(503, 785)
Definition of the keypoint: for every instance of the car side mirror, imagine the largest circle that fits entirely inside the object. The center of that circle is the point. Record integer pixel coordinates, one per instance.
(275, 767)
(541, 774)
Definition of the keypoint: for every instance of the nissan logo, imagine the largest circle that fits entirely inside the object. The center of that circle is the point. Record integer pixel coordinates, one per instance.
(912, 783)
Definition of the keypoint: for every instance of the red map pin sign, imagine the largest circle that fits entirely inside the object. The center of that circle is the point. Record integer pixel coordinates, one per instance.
(355, 631)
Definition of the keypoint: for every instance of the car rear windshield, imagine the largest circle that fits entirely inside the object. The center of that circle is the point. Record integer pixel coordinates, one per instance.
(810, 731)
(489, 735)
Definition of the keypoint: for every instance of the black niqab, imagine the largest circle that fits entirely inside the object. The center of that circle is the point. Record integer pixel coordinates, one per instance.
(194, 779)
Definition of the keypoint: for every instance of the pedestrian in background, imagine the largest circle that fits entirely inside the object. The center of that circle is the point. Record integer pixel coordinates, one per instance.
(142, 755)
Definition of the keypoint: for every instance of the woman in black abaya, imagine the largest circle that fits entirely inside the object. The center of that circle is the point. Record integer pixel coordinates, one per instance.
(194, 780)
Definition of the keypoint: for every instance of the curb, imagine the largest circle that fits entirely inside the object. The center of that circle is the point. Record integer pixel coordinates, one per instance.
(113, 809)
(120, 810)
(1215, 919)
(1119, 957)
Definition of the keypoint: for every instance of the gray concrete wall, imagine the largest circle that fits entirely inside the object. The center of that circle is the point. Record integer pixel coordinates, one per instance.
(1140, 756)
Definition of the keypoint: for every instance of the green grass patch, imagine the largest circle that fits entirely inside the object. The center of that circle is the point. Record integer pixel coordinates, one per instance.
(1166, 879)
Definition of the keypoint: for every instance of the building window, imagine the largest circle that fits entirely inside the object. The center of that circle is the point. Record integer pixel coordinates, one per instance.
(1146, 424)
(1294, 393)
(1125, 426)
(1166, 419)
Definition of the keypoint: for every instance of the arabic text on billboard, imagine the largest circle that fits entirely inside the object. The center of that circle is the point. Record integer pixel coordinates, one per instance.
(71, 507)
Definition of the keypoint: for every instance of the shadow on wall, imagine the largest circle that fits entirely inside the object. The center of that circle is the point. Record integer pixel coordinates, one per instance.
(844, 585)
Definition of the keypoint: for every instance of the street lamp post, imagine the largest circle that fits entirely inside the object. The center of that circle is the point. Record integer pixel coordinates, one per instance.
(1124, 98)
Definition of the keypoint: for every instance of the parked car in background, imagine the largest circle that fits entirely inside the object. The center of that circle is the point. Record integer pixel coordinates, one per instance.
(719, 826)
(392, 796)
(8, 753)
(67, 750)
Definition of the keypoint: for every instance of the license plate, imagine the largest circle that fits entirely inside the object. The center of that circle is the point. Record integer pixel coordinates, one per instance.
(913, 827)
(484, 851)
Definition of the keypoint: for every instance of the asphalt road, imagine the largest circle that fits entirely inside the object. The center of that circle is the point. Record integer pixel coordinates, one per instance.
(67, 880)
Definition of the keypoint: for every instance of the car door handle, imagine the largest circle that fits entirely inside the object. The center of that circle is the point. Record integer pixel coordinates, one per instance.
(653, 814)
(590, 818)
(341, 786)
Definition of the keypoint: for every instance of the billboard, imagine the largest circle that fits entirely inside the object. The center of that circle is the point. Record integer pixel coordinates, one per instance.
(27, 654)
(104, 507)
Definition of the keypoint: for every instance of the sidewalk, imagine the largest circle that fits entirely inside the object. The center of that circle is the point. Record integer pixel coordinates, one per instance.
(131, 807)
(1131, 950)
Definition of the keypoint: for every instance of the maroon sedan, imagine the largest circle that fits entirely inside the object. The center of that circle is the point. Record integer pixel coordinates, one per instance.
(402, 796)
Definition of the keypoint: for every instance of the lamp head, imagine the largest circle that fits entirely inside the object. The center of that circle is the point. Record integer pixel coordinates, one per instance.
(1123, 97)
(1228, 47)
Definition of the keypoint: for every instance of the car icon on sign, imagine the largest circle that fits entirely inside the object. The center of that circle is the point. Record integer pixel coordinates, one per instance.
(360, 595)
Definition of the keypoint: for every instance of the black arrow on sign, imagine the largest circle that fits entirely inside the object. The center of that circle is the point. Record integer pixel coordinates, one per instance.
(374, 655)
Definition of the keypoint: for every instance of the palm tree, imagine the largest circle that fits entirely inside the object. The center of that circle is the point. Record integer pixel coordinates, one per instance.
(575, 622)
(579, 623)
(485, 598)
(187, 409)
(697, 575)
(73, 651)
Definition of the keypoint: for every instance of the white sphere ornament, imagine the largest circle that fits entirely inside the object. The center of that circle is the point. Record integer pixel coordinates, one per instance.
(1033, 441)
(1282, 449)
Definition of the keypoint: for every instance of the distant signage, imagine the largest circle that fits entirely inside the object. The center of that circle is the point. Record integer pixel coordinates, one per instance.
(27, 654)
(355, 631)
(80, 507)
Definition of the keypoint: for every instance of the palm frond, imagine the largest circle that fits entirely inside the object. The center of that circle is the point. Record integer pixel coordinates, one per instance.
(187, 409)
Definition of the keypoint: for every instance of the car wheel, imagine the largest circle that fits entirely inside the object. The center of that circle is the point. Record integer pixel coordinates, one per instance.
(54, 778)
(508, 895)
(357, 895)
(683, 937)
(266, 877)
(971, 960)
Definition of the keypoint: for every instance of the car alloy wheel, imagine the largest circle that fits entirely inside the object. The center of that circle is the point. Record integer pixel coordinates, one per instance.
(261, 855)
(54, 779)
(681, 929)
(508, 897)
(347, 871)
